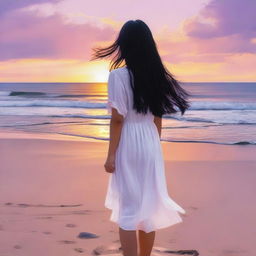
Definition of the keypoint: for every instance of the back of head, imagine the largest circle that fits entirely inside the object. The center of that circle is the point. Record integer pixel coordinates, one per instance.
(154, 87)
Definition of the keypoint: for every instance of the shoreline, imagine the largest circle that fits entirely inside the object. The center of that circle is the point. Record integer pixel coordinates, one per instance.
(59, 136)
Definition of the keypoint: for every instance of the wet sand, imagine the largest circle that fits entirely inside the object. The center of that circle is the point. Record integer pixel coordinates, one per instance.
(53, 188)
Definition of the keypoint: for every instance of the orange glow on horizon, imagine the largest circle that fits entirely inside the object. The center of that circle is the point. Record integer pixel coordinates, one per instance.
(42, 70)
(47, 70)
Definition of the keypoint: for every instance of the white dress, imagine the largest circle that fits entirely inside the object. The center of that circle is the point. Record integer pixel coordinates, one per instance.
(137, 190)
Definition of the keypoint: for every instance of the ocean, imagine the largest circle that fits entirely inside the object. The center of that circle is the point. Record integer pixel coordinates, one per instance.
(220, 113)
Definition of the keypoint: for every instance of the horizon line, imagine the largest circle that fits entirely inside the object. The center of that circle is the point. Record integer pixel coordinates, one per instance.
(106, 82)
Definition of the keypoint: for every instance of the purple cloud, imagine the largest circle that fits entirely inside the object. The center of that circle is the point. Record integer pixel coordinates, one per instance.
(220, 30)
(9, 5)
(229, 17)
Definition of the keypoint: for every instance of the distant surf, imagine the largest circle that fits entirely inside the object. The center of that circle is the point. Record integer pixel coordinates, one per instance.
(220, 113)
(195, 105)
(38, 94)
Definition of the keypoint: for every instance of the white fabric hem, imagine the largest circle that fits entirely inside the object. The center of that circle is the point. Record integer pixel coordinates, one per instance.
(113, 104)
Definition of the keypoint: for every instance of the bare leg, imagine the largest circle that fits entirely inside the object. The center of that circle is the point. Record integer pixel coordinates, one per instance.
(146, 242)
(128, 241)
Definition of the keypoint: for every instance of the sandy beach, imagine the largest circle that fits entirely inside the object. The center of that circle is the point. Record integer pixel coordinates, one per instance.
(53, 188)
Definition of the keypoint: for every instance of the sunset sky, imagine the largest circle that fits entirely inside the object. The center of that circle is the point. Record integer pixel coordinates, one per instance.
(198, 40)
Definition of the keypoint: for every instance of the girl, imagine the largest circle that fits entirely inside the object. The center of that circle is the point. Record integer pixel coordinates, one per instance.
(139, 93)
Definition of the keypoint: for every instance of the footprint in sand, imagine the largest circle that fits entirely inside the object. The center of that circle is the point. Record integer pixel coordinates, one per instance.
(17, 246)
(78, 250)
(193, 207)
(44, 217)
(70, 225)
(23, 205)
(81, 212)
(44, 205)
(47, 232)
(67, 242)
(233, 252)
(103, 250)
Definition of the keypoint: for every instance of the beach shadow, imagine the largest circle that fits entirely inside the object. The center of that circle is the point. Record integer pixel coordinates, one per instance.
(42, 205)
(178, 252)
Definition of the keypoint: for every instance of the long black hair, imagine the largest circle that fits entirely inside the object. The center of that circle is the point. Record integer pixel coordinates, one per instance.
(153, 86)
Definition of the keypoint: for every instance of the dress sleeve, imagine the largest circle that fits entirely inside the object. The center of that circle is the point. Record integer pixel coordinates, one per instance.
(117, 97)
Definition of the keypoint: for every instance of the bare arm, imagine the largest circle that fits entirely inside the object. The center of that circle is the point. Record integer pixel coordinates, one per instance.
(116, 124)
(158, 123)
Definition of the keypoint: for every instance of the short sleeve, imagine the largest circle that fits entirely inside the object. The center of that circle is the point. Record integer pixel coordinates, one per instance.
(117, 97)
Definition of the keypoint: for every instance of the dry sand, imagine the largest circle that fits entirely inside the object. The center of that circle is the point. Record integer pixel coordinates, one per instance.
(52, 188)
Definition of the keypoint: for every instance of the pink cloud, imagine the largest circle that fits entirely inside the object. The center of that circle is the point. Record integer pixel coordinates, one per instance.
(24, 35)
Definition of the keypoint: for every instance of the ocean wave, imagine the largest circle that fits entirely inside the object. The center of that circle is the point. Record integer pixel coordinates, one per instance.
(82, 116)
(4, 93)
(202, 105)
(16, 93)
(40, 123)
(195, 105)
(219, 121)
(71, 113)
(72, 95)
(40, 94)
(168, 140)
(191, 126)
(213, 142)
(51, 103)
(192, 119)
